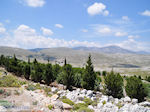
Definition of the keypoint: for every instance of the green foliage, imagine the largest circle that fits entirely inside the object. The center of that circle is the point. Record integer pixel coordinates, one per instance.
(2, 91)
(50, 107)
(85, 109)
(113, 85)
(48, 74)
(68, 101)
(79, 105)
(135, 88)
(56, 70)
(148, 78)
(104, 73)
(37, 72)
(68, 76)
(10, 81)
(104, 102)
(89, 75)
(5, 104)
(88, 101)
(147, 88)
(97, 83)
(27, 71)
(31, 87)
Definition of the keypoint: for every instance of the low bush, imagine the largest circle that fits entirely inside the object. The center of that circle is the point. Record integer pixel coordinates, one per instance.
(85, 109)
(31, 87)
(5, 104)
(79, 105)
(10, 81)
(50, 107)
(88, 101)
(68, 101)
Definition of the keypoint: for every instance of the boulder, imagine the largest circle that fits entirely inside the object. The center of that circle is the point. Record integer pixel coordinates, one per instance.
(145, 104)
(99, 105)
(134, 101)
(2, 109)
(84, 91)
(91, 107)
(53, 89)
(67, 106)
(54, 97)
(89, 93)
(127, 99)
(110, 99)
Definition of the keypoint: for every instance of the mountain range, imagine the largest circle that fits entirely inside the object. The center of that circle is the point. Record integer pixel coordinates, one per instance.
(110, 56)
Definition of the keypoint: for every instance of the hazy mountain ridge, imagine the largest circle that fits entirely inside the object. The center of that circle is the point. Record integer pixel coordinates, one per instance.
(110, 49)
(78, 57)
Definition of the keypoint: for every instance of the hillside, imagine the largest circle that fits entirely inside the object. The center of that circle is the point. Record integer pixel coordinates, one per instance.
(78, 57)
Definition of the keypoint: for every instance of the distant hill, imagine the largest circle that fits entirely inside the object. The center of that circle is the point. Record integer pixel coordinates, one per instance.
(108, 49)
(36, 49)
(111, 56)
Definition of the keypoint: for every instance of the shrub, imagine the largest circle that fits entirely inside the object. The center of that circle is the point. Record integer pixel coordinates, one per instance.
(104, 73)
(68, 101)
(31, 87)
(85, 109)
(34, 102)
(104, 102)
(5, 104)
(10, 81)
(135, 88)
(79, 105)
(113, 85)
(148, 78)
(50, 107)
(2, 91)
(88, 101)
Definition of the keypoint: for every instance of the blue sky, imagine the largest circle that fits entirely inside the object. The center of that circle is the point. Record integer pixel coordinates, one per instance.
(70, 23)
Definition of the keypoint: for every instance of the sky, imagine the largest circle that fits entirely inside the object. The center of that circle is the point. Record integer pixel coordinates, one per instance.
(70, 23)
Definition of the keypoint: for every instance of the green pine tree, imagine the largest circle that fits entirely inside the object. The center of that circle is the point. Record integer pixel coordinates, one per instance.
(89, 75)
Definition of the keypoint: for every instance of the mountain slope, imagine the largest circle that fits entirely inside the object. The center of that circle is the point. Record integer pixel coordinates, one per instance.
(108, 49)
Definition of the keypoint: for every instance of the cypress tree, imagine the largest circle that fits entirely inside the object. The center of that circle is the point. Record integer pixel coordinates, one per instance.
(89, 75)
(48, 74)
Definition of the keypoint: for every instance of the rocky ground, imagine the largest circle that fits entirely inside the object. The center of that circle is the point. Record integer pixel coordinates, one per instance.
(35, 97)
(59, 100)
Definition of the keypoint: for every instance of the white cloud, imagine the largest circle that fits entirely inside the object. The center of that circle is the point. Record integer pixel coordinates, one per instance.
(2, 29)
(26, 37)
(104, 30)
(33, 3)
(133, 45)
(97, 8)
(133, 36)
(125, 18)
(59, 26)
(146, 13)
(120, 34)
(46, 32)
(84, 30)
